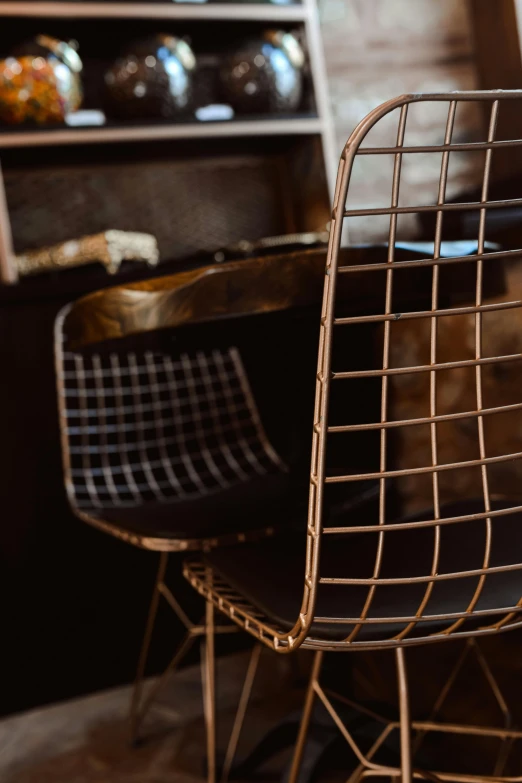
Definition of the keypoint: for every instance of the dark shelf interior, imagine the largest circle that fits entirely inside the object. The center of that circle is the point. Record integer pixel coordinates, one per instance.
(102, 41)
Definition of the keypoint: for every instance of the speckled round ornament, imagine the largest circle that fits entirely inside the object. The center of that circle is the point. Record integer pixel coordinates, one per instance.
(153, 79)
(264, 74)
(40, 83)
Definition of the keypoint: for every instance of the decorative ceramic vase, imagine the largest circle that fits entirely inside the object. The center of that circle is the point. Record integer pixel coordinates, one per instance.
(40, 82)
(264, 75)
(152, 80)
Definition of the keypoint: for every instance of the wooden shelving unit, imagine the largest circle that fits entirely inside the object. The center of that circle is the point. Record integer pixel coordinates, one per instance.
(189, 130)
(317, 125)
(216, 11)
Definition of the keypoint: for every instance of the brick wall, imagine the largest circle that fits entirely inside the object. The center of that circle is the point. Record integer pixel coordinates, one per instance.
(377, 49)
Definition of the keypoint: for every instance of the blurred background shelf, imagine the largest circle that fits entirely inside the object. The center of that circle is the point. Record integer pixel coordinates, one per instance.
(266, 12)
(213, 29)
(255, 126)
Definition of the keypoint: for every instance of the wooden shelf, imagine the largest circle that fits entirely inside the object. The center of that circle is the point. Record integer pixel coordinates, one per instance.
(309, 131)
(201, 11)
(184, 130)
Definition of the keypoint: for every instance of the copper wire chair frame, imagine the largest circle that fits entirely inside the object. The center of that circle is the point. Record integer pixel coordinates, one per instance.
(221, 594)
(228, 600)
(206, 629)
(151, 543)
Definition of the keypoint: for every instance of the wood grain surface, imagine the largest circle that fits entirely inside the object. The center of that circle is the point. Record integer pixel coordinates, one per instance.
(250, 287)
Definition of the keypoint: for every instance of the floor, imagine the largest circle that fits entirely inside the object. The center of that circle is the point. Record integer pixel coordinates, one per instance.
(86, 740)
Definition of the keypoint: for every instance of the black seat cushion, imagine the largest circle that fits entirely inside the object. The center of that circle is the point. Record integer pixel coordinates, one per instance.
(250, 505)
(270, 574)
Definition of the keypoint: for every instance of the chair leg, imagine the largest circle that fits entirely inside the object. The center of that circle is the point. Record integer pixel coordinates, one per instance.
(405, 722)
(135, 716)
(241, 711)
(209, 693)
(306, 717)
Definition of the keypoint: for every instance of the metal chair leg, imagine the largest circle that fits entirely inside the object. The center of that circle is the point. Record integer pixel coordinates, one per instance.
(209, 693)
(206, 630)
(135, 714)
(305, 720)
(241, 711)
(405, 721)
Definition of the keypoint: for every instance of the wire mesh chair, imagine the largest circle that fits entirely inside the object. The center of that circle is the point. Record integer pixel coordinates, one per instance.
(165, 450)
(453, 571)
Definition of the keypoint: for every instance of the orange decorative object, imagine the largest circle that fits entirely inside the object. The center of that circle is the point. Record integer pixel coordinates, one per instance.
(42, 87)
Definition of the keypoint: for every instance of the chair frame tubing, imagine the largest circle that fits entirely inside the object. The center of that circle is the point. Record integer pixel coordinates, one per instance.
(285, 640)
(205, 632)
(406, 727)
(140, 703)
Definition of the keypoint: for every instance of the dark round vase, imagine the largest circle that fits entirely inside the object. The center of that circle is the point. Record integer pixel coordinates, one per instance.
(153, 79)
(264, 75)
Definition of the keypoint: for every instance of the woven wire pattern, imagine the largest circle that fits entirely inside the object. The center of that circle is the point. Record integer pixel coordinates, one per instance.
(474, 362)
(149, 426)
(475, 432)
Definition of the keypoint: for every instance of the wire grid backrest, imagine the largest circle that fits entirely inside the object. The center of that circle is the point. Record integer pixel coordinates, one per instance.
(468, 341)
(145, 425)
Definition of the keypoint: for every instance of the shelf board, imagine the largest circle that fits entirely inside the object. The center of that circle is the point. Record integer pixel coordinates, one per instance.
(200, 11)
(184, 130)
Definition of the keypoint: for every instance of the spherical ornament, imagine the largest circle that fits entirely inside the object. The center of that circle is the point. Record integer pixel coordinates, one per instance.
(153, 79)
(264, 75)
(40, 82)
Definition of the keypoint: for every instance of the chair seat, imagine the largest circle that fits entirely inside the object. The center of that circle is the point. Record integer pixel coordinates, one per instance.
(260, 502)
(270, 575)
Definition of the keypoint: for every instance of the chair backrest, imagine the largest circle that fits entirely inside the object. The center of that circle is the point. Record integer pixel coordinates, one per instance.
(142, 421)
(446, 382)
